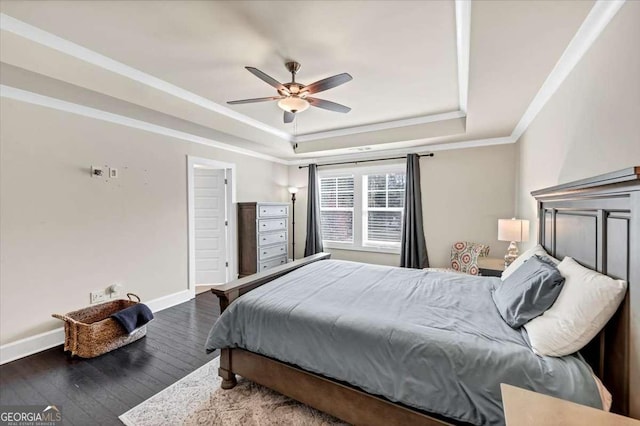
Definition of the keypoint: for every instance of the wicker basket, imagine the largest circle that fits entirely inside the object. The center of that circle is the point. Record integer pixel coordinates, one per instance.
(90, 332)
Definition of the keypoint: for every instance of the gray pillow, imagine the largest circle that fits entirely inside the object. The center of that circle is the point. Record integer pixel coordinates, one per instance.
(528, 291)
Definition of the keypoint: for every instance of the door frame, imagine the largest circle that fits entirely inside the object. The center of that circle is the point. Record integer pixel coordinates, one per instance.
(230, 201)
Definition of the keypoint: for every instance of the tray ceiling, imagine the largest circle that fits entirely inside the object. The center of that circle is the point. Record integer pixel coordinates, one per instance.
(403, 59)
(403, 56)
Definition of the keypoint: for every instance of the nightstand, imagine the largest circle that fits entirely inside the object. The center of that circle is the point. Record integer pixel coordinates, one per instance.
(490, 266)
(526, 408)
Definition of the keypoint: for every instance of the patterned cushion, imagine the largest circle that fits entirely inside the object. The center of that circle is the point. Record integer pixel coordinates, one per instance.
(464, 256)
(484, 251)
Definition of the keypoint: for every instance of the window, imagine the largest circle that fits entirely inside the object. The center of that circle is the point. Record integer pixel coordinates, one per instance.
(382, 209)
(363, 210)
(336, 208)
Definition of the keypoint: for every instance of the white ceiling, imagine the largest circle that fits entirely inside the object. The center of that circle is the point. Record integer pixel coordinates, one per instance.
(402, 55)
(204, 46)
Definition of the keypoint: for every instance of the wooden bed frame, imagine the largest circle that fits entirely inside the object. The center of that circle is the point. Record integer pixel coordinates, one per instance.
(596, 221)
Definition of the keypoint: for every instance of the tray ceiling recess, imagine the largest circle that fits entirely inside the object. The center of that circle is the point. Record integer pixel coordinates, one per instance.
(421, 78)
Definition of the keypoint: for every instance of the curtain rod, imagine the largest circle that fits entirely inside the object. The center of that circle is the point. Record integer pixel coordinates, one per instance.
(366, 161)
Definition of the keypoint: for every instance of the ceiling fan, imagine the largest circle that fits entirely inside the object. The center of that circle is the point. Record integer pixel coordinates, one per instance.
(294, 97)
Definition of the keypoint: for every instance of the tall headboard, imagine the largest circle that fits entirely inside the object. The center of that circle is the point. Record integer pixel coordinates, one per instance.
(596, 221)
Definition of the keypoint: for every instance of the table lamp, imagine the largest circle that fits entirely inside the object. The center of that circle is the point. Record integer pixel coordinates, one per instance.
(515, 231)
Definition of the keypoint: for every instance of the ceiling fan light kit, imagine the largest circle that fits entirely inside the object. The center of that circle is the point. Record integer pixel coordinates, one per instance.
(293, 104)
(294, 97)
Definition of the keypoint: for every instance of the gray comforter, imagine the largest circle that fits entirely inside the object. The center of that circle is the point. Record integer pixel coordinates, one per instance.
(431, 340)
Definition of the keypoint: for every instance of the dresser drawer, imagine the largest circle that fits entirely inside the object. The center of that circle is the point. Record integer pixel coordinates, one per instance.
(268, 264)
(272, 224)
(272, 238)
(268, 252)
(271, 211)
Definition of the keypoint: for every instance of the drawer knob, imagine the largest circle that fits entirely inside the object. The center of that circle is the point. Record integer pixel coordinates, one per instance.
(281, 248)
(264, 252)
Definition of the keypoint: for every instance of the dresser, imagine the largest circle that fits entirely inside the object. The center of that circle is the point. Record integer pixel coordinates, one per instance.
(263, 237)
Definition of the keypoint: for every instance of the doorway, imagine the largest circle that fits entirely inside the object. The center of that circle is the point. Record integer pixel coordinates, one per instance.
(211, 198)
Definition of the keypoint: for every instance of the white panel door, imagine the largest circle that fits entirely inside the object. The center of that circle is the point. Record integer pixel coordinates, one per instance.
(210, 229)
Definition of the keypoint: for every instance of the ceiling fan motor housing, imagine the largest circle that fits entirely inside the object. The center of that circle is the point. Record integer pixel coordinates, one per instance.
(292, 66)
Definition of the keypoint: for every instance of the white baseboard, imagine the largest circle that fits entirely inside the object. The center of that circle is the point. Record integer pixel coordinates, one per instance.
(49, 339)
(169, 300)
(31, 345)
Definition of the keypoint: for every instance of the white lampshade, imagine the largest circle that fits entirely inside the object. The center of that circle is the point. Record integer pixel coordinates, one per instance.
(293, 104)
(293, 190)
(513, 230)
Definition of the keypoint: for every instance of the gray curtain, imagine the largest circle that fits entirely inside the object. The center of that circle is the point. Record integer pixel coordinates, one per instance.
(414, 247)
(313, 244)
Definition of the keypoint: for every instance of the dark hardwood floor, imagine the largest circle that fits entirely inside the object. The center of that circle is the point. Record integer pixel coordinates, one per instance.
(96, 391)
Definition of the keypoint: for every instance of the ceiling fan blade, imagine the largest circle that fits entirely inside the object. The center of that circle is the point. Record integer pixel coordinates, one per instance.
(289, 116)
(328, 83)
(267, 79)
(249, 101)
(331, 106)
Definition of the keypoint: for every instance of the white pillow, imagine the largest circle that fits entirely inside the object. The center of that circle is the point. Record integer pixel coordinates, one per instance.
(538, 249)
(584, 306)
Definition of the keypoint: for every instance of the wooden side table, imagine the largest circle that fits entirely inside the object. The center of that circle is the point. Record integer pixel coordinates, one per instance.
(491, 266)
(527, 408)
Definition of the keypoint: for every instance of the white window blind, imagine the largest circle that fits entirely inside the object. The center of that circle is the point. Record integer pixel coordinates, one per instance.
(336, 208)
(382, 209)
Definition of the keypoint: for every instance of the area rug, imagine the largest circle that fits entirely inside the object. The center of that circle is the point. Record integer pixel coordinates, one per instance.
(197, 399)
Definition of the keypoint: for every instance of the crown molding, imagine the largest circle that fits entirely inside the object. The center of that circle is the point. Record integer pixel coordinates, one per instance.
(463, 37)
(35, 34)
(83, 110)
(476, 143)
(598, 18)
(385, 125)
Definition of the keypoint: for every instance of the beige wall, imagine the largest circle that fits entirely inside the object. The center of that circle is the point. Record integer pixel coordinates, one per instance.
(591, 125)
(464, 193)
(64, 233)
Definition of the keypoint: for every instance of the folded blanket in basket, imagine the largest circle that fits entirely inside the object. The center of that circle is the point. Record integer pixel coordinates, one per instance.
(133, 317)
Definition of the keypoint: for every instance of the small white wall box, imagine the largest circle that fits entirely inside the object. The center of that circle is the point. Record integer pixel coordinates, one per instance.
(96, 171)
(113, 173)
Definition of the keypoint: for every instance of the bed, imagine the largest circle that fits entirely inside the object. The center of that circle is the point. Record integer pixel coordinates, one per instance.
(380, 345)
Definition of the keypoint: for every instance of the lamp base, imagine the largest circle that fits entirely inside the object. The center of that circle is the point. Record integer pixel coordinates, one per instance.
(512, 254)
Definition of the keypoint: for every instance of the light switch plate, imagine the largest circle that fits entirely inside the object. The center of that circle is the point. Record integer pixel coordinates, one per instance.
(113, 173)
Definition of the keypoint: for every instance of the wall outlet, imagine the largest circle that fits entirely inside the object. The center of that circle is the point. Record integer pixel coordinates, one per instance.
(113, 173)
(98, 296)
